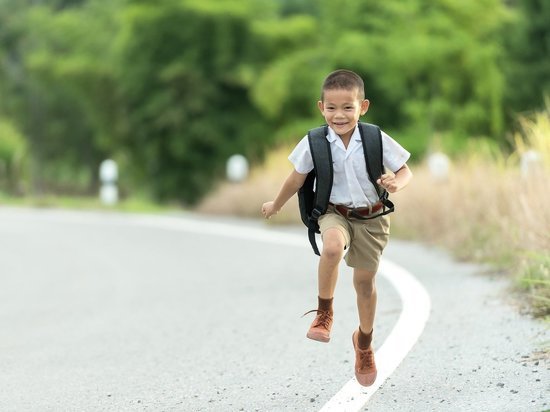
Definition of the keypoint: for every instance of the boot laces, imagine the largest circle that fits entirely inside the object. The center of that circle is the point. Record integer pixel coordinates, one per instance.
(366, 358)
(323, 319)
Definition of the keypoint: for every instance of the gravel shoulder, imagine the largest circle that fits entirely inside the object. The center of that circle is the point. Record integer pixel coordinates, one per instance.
(477, 352)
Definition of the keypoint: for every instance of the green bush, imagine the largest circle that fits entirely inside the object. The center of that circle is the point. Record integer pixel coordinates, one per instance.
(13, 149)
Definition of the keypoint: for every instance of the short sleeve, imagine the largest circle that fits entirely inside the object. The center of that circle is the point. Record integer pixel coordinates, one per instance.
(301, 157)
(394, 155)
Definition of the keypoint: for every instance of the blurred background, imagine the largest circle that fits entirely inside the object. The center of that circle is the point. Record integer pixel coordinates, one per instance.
(169, 90)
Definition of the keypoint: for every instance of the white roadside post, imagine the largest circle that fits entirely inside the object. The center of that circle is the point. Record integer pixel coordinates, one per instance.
(236, 168)
(530, 163)
(439, 165)
(108, 174)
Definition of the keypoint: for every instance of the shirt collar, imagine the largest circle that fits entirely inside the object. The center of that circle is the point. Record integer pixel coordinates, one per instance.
(331, 136)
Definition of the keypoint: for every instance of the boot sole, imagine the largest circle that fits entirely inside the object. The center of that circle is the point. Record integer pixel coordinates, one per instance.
(318, 337)
(361, 377)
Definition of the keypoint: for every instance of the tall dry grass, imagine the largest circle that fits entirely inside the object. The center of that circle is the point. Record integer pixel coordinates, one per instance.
(245, 199)
(486, 211)
(487, 207)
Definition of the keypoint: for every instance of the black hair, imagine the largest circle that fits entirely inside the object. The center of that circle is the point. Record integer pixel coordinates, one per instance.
(343, 79)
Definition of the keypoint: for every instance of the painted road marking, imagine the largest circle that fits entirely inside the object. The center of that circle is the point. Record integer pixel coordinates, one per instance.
(407, 330)
(414, 314)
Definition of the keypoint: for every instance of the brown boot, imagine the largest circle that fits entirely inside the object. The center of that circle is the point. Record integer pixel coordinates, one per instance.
(365, 367)
(320, 328)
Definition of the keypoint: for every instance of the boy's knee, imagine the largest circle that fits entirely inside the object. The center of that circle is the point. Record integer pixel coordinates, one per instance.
(332, 252)
(333, 244)
(365, 284)
(365, 287)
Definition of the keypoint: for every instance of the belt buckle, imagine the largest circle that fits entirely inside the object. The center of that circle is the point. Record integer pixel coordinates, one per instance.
(364, 211)
(367, 211)
(344, 210)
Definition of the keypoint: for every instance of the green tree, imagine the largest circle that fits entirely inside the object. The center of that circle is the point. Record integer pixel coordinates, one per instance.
(185, 69)
(428, 65)
(172, 88)
(528, 71)
(13, 151)
(60, 87)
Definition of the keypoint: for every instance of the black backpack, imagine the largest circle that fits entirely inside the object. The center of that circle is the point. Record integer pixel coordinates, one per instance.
(314, 203)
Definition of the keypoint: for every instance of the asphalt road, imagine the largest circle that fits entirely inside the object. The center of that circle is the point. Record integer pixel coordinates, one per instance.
(111, 312)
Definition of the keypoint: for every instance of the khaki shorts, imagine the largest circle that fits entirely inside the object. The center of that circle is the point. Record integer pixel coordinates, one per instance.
(365, 239)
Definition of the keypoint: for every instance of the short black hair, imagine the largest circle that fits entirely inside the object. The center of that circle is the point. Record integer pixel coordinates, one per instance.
(343, 79)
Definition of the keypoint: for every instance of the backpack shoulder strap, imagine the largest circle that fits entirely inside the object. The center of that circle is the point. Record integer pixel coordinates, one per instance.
(371, 137)
(322, 167)
(372, 148)
(323, 172)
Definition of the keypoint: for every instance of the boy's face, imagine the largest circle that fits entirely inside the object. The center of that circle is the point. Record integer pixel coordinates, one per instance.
(342, 109)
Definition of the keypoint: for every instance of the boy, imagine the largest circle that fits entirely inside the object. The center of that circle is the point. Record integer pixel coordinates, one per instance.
(342, 103)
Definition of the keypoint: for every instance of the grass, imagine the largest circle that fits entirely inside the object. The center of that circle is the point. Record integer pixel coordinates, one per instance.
(134, 205)
(485, 211)
(245, 199)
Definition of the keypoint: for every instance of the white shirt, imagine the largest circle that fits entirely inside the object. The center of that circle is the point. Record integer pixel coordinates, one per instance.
(351, 185)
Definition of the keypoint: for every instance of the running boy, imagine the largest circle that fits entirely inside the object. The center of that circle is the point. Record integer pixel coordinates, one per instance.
(342, 103)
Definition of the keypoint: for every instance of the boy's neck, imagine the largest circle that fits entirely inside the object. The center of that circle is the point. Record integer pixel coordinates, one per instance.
(345, 140)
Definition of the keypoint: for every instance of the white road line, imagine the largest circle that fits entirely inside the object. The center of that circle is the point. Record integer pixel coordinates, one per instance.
(223, 229)
(407, 330)
(414, 314)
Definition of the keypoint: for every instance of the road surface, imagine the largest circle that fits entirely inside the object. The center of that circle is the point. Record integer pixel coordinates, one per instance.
(113, 312)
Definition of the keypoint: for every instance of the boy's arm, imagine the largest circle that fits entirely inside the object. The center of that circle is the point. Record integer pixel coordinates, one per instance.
(291, 185)
(394, 183)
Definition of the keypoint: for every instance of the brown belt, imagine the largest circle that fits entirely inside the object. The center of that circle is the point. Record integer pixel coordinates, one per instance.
(359, 211)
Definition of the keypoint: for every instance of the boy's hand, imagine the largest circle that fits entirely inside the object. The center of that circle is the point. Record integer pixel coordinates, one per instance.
(388, 182)
(268, 209)
(393, 183)
(291, 185)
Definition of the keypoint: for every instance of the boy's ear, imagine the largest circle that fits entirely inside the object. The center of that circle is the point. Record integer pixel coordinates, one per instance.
(364, 106)
(321, 106)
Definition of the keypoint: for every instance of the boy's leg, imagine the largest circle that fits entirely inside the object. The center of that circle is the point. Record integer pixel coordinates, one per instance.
(365, 287)
(334, 244)
(369, 240)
